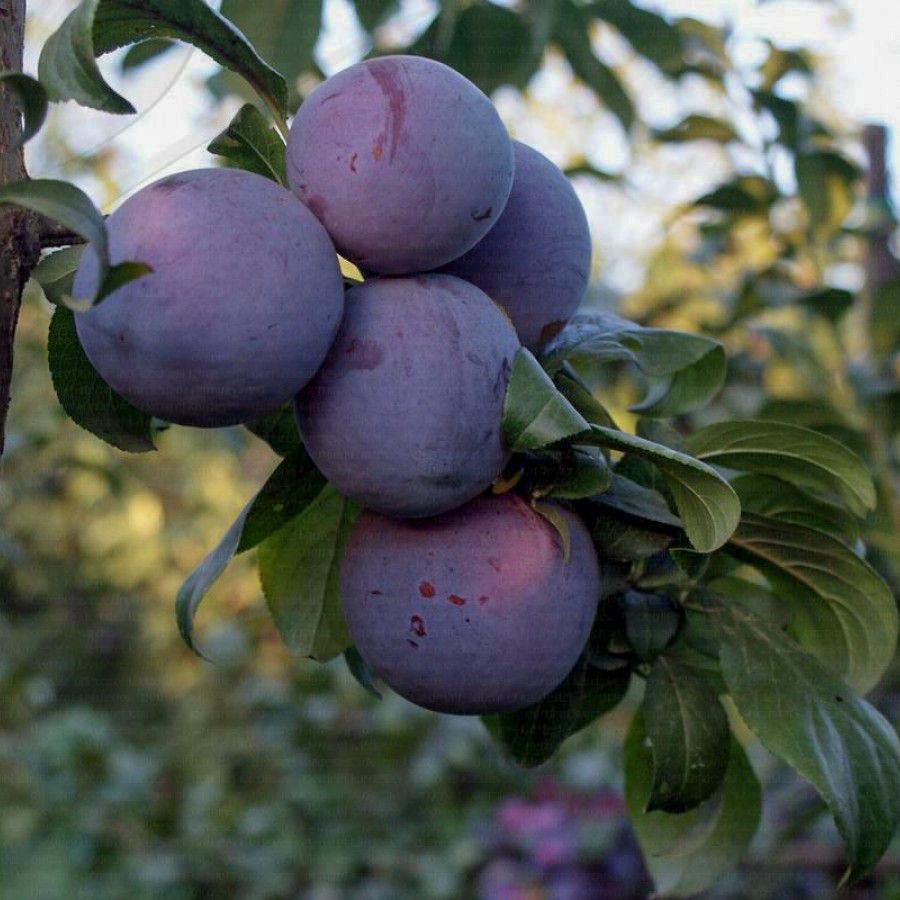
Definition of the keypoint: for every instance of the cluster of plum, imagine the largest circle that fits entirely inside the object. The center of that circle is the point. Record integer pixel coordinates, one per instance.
(471, 246)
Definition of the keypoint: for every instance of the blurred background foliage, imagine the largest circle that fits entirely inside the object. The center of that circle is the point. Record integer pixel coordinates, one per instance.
(727, 194)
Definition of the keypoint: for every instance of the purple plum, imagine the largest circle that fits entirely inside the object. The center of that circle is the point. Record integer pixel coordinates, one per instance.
(404, 161)
(244, 300)
(536, 260)
(475, 611)
(404, 415)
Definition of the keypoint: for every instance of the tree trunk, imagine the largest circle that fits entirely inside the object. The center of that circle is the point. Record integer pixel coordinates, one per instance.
(19, 238)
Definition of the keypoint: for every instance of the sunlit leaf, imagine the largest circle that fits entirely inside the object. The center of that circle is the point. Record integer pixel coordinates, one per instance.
(250, 143)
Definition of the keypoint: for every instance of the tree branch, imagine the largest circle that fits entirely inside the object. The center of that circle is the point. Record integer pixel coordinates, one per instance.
(19, 240)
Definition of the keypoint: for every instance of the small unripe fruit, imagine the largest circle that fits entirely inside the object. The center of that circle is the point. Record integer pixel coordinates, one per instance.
(405, 162)
(243, 302)
(475, 611)
(404, 416)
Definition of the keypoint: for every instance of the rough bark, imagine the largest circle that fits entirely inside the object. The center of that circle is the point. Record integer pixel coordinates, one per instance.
(19, 237)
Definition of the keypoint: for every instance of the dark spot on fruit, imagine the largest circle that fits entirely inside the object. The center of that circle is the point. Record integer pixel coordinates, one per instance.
(374, 593)
(353, 162)
(456, 600)
(417, 626)
(399, 333)
(363, 354)
(551, 330)
(426, 589)
(480, 217)
(412, 643)
(120, 337)
(494, 563)
(483, 599)
(468, 620)
(474, 358)
(331, 97)
(378, 147)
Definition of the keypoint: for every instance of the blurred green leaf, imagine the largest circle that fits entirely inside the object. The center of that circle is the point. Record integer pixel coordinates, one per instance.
(797, 455)
(250, 143)
(808, 718)
(842, 611)
(70, 206)
(87, 399)
(491, 45)
(708, 507)
(535, 413)
(779, 62)
(689, 852)
(33, 98)
(651, 35)
(825, 180)
(689, 737)
(786, 114)
(68, 66)
(832, 303)
(748, 194)
(572, 34)
(696, 127)
(373, 13)
(284, 33)
(884, 324)
(299, 567)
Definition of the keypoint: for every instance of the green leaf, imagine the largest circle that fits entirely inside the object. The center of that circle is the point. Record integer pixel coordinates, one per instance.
(590, 171)
(690, 852)
(634, 500)
(797, 455)
(651, 35)
(278, 429)
(532, 735)
(284, 34)
(842, 611)
(360, 670)
(571, 474)
(698, 128)
(777, 499)
(70, 206)
(652, 622)
(786, 114)
(535, 413)
(250, 143)
(620, 539)
(808, 718)
(552, 514)
(290, 489)
(144, 52)
(68, 67)
(689, 737)
(33, 98)
(572, 33)
(685, 371)
(779, 62)
(299, 569)
(55, 273)
(88, 400)
(581, 397)
(708, 507)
